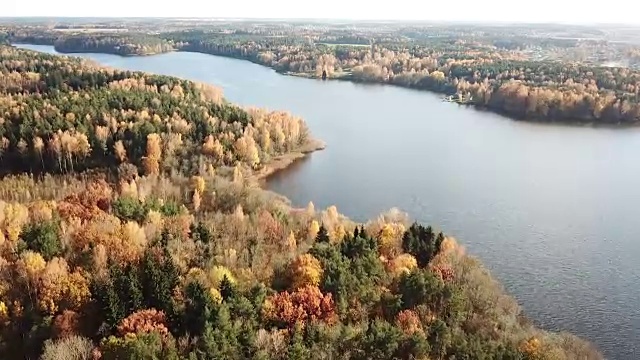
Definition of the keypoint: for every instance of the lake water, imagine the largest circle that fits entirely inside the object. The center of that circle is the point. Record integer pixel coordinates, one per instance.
(551, 210)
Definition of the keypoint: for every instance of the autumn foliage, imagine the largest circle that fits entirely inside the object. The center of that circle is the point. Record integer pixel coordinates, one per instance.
(140, 232)
(144, 321)
(305, 270)
(304, 305)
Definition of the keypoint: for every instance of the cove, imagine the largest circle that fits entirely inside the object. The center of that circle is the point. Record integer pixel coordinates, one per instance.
(549, 209)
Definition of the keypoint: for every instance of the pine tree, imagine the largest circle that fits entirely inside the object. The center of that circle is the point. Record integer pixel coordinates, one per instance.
(198, 309)
(227, 289)
(323, 235)
(422, 243)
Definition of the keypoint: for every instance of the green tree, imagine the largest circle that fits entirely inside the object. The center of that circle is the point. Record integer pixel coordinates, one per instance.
(129, 209)
(422, 243)
(43, 238)
(323, 235)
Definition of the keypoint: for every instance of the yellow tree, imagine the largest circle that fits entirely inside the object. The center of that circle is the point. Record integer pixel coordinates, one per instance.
(151, 162)
(304, 270)
(314, 228)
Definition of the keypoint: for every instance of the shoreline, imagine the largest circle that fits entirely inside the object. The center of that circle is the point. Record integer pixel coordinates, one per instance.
(348, 78)
(282, 162)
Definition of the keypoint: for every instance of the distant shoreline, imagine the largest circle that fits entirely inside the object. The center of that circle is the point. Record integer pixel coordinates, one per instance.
(348, 77)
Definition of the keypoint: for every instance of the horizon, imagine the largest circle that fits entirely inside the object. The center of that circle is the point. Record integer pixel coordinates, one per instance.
(491, 11)
(319, 20)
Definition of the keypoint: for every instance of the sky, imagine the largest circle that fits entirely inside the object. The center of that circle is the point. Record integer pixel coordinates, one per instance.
(586, 11)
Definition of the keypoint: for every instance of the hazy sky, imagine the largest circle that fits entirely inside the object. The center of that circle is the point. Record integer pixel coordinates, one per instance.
(589, 11)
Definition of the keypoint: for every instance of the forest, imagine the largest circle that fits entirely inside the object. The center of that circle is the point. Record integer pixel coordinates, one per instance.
(133, 226)
(538, 74)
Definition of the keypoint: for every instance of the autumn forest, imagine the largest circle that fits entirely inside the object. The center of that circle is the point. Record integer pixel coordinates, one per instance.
(133, 224)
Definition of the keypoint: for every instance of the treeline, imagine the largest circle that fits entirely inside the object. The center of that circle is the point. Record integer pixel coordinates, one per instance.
(125, 45)
(64, 114)
(478, 72)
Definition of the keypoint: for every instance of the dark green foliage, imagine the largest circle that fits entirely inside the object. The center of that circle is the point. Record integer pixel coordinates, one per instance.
(118, 296)
(227, 288)
(422, 243)
(129, 209)
(170, 208)
(201, 233)
(159, 276)
(420, 287)
(351, 271)
(43, 238)
(199, 309)
(297, 348)
(471, 347)
(381, 341)
(322, 236)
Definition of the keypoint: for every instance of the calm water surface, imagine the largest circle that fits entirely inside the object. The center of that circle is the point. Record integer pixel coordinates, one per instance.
(551, 210)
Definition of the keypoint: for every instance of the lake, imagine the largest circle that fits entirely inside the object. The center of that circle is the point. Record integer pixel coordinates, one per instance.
(549, 209)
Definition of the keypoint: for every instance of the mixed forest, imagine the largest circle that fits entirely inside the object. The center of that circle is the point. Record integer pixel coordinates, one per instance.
(133, 226)
(579, 75)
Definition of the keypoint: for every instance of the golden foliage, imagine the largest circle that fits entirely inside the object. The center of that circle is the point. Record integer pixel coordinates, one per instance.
(59, 289)
(41, 210)
(30, 265)
(125, 242)
(151, 162)
(212, 147)
(4, 312)
(390, 238)
(217, 273)
(291, 241)
(401, 264)
(120, 151)
(305, 270)
(337, 233)
(215, 295)
(531, 347)
(196, 275)
(13, 217)
(314, 228)
(198, 184)
(449, 244)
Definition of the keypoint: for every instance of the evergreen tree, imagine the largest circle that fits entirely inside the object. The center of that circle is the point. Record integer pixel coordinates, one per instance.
(43, 238)
(199, 309)
(297, 348)
(227, 289)
(159, 278)
(422, 243)
(323, 235)
(420, 286)
(200, 232)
